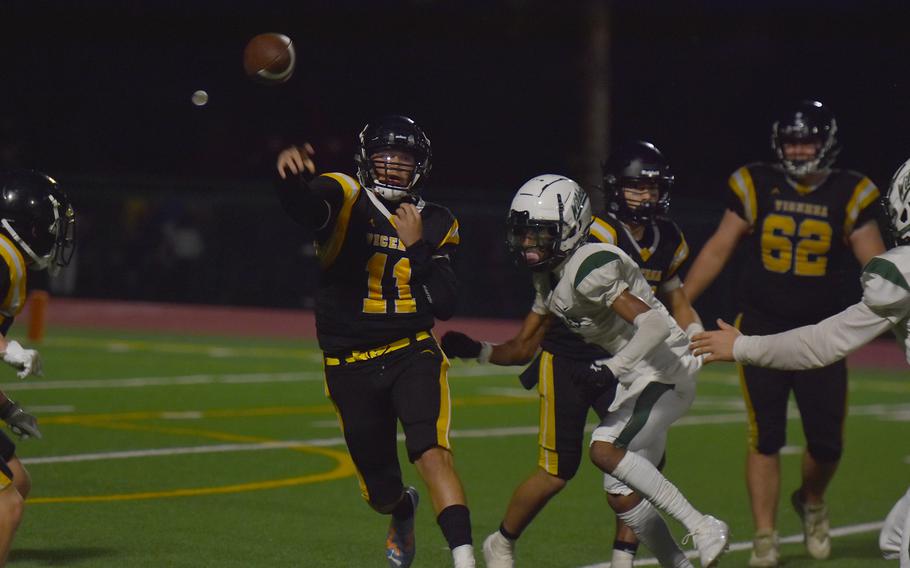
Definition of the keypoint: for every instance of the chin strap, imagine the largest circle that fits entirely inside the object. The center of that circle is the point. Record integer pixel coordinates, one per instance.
(40, 262)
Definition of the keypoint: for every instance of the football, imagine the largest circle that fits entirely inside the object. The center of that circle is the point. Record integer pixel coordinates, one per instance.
(269, 58)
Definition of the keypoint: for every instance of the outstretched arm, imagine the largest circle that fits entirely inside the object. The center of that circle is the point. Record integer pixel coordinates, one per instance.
(313, 203)
(715, 254)
(806, 347)
(518, 350)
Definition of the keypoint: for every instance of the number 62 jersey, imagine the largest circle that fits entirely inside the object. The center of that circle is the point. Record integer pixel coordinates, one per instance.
(797, 253)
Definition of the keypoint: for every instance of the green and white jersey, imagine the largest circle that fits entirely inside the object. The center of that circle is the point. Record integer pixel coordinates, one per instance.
(885, 305)
(887, 293)
(581, 293)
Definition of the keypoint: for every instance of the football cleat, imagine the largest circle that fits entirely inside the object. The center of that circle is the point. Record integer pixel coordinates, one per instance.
(400, 546)
(815, 527)
(498, 551)
(711, 538)
(765, 550)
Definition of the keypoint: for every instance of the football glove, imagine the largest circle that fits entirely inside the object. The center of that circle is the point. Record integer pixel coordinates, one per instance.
(20, 422)
(457, 344)
(600, 376)
(25, 361)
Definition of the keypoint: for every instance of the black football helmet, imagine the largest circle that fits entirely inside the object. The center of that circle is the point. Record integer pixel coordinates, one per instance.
(392, 180)
(641, 165)
(36, 213)
(807, 122)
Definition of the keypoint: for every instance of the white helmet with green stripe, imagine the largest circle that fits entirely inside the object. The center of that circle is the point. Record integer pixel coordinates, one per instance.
(897, 204)
(549, 217)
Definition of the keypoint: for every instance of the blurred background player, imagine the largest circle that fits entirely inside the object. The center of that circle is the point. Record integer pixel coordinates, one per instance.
(798, 219)
(885, 305)
(384, 278)
(637, 182)
(37, 231)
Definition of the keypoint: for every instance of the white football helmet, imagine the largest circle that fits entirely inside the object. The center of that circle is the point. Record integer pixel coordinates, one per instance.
(549, 217)
(897, 204)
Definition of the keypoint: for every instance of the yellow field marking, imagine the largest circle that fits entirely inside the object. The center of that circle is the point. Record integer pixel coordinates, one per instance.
(344, 468)
(182, 348)
(126, 421)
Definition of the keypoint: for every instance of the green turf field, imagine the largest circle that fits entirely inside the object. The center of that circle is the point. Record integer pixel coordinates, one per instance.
(161, 450)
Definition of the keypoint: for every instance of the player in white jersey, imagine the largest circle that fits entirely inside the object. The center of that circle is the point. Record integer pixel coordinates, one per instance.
(885, 305)
(598, 291)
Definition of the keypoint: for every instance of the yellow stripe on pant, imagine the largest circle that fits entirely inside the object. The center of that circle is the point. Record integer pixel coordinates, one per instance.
(548, 459)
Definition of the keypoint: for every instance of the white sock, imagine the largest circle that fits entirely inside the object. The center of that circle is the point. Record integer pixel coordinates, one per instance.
(621, 559)
(639, 474)
(463, 556)
(652, 531)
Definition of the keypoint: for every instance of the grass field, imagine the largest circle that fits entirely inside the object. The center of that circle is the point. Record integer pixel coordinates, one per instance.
(162, 450)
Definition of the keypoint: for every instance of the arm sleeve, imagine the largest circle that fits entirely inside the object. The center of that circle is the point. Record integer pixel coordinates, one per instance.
(434, 276)
(812, 346)
(311, 202)
(651, 329)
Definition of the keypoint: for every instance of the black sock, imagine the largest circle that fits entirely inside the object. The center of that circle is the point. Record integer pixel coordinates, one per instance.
(507, 534)
(404, 509)
(455, 522)
(630, 547)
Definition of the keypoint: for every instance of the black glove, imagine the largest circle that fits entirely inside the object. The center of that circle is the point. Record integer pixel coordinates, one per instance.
(599, 377)
(20, 422)
(457, 344)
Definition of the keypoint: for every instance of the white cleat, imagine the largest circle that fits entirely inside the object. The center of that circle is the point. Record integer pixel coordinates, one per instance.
(816, 529)
(498, 551)
(712, 538)
(765, 550)
(463, 556)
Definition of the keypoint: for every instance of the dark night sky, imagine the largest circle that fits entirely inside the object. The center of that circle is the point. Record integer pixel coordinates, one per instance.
(104, 87)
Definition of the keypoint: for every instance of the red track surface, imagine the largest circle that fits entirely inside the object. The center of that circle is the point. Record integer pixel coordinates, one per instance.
(261, 322)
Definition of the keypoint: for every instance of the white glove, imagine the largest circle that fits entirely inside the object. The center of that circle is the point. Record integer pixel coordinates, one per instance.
(26, 361)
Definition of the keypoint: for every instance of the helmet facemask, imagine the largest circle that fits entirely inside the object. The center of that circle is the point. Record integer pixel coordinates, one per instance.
(51, 245)
(812, 125)
(896, 203)
(534, 243)
(638, 200)
(394, 158)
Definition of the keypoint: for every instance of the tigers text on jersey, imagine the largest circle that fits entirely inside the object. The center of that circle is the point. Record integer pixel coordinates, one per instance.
(797, 251)
(366, 295)
(589, 282)
(659, 262)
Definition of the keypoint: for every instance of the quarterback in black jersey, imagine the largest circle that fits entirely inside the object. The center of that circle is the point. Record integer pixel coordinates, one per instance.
(796, 219)
(37, 226)
(637, 182)
(386, 274)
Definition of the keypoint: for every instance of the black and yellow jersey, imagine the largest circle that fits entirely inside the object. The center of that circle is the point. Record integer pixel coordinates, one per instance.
(372, 291)
(795, 257)
(660, 254)
(12, 283)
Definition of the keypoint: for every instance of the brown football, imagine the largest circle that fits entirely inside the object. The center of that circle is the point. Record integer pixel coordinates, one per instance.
(269, 58)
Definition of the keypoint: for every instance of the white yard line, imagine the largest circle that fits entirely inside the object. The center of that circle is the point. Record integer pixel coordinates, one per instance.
(503, 432)
(737, 546)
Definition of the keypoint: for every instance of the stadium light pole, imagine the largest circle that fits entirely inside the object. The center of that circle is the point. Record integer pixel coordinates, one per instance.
(597, 80)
